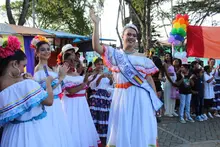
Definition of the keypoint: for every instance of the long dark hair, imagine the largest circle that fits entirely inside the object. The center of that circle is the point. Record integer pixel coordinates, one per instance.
(171, 58)
(38, 45)
(159, 64)
(66, 56)
(18, 56)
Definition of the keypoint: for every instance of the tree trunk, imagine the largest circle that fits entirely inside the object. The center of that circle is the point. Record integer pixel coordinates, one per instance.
(9, 13)
(24, 12)
(148, 25)
(143, 37)
(119, 9)
(144, 28)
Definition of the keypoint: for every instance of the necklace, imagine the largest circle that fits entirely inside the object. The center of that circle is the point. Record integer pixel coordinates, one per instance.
(130, 52)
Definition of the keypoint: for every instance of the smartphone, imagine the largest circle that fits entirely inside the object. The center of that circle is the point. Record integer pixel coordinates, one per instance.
(45, 70)
(106, 71)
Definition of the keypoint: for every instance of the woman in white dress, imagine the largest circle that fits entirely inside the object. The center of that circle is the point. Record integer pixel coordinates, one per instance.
(169, 89)
(56, 115)
(132, 120)
(22, 101)
(75, 104)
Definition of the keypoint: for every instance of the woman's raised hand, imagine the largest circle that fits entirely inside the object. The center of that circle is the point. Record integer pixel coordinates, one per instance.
(63, 70)
(94, 17)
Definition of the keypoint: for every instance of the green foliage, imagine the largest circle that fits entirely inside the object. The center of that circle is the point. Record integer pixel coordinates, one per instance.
(64, 15)
(16, 7)
(198, 10)
(139, 6)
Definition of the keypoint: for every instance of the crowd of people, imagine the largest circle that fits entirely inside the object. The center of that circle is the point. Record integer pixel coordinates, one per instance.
(117, 105)
(189, 89)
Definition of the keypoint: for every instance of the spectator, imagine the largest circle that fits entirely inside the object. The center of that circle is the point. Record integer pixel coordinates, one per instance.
(197, 84)
(183, 83)
(209, 82)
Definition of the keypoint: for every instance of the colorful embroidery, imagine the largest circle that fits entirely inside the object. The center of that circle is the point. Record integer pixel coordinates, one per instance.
(152, 69)
(20, 100)
(17, 108)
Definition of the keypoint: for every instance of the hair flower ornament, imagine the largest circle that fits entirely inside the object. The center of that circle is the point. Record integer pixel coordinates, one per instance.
(38, 39)
(9, 46)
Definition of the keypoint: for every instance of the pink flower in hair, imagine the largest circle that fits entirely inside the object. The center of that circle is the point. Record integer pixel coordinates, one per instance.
(13, 43)
(9, 46)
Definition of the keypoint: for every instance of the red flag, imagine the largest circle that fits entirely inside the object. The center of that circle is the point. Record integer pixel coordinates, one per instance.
(203, 41)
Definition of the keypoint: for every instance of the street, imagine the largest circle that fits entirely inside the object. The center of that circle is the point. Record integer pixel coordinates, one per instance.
(199, 134)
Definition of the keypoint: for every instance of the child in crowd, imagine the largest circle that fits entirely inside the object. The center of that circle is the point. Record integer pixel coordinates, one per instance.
(197, 85)
(209, 82)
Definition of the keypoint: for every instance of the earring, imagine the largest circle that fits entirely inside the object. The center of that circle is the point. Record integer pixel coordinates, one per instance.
(17, 75)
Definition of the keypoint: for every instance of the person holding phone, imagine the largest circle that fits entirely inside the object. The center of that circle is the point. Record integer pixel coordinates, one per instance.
(82, 128)
(100, 99)
(56, 115)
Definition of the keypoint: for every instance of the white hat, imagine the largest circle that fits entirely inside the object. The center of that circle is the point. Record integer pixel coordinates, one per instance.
(68, 47)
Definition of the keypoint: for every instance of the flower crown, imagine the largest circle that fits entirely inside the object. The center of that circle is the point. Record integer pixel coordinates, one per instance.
(9, 46)
(38, 39)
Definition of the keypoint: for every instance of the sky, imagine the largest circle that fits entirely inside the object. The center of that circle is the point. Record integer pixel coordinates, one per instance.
(108, 20)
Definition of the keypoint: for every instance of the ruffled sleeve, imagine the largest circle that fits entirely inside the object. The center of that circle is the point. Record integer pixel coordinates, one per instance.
(20, 98)
(70, 82)
(150, 68)
(108, 57)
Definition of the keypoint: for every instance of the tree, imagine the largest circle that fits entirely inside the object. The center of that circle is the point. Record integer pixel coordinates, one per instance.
(65, 15)
(23, 14)
(198, 10)
(141, 15)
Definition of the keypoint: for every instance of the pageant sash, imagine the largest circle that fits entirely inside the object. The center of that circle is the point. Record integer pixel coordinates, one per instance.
(133, 76)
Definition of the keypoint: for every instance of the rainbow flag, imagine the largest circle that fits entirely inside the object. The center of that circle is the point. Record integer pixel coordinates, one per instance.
(203, 42)
(138, 80)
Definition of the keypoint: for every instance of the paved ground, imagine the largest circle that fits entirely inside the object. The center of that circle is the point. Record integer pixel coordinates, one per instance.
(198, 134)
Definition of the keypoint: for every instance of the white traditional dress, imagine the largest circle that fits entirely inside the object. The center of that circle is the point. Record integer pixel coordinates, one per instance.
(56, 115)
(99, 103)
(132, 121)
(23, 117)
(81, 124)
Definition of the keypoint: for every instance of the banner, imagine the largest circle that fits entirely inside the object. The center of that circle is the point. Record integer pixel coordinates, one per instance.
(203, 42)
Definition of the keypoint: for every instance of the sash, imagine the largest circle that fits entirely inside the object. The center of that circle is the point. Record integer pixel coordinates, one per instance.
(133, 76)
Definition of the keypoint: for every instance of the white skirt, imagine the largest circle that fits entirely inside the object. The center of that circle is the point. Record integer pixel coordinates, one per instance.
(81, 124)
(28, 134)
(57, 119)
(132, 121)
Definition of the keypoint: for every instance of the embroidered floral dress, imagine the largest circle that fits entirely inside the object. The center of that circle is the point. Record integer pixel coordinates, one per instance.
(99, 102)
(132, 121)
(23, 117)
(82, 128)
